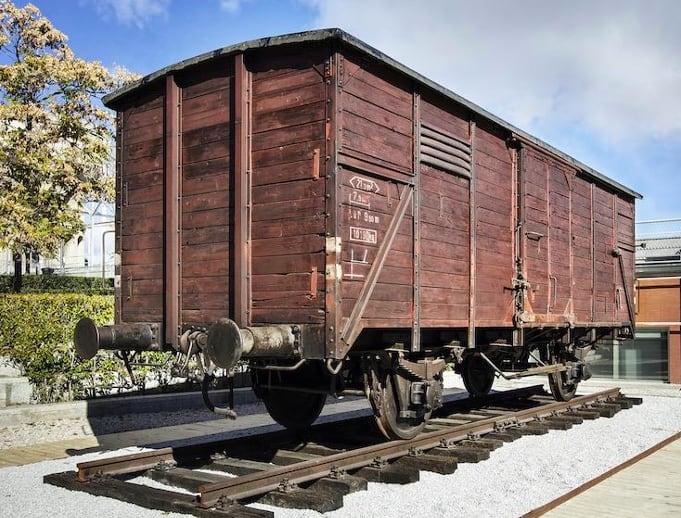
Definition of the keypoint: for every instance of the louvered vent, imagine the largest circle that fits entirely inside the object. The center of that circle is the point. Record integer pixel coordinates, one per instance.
(445, 151)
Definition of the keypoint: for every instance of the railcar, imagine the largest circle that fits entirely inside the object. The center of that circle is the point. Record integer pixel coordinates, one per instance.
(343, 225)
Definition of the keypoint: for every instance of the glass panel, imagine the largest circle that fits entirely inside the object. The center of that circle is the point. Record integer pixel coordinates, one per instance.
(644, 358)
(601, 360)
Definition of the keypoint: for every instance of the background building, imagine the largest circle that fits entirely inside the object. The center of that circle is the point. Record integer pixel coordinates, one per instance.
(658, 291)
(89, 254)
(655, 354)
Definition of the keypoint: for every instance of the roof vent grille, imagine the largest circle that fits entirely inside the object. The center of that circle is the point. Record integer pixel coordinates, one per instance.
(443, 150)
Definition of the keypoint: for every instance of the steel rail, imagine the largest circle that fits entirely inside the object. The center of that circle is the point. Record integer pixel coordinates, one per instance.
(124, 464)
(262, 482)
(134, 462)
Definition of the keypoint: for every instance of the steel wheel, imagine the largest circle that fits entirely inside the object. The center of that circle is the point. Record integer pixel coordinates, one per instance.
(291, 405)
(385, 402)
(477, 374)
(561, 388)
(293, 410)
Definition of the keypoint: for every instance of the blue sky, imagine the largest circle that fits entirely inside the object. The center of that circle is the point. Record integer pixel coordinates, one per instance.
(598, 79)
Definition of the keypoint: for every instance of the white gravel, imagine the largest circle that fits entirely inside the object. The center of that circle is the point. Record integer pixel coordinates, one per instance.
(516, 479)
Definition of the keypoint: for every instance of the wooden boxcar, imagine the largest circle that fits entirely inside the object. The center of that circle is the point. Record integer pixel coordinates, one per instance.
(309, 205)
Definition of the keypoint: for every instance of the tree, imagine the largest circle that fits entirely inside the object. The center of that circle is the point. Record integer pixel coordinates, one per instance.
(55, 136)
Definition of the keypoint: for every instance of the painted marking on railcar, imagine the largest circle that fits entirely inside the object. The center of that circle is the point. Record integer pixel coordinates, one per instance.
(364, 216)
(364, 235)
(355, 261)
(360, 199)
(364, 184)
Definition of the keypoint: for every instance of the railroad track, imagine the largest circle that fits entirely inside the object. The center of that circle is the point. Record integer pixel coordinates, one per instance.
(332, 460)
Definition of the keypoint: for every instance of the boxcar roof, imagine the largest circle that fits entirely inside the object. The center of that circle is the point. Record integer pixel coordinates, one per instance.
(350, 41)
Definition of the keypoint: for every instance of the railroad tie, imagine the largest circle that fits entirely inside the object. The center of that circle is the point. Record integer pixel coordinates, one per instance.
(534, 428)
(427, 462)
(389, 474)
(343, 484)
(321, 499)
(462, 453)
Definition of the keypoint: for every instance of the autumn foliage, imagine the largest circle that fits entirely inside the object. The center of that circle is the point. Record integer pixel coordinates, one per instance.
(55, 136)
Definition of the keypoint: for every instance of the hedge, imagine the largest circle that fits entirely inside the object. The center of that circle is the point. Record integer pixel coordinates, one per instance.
(58, 284)
(36, 332)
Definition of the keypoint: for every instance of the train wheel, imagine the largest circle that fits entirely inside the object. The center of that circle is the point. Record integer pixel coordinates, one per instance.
(287, 401)
(561, 388)
(293, 410)
(385, 399)
(477, 374)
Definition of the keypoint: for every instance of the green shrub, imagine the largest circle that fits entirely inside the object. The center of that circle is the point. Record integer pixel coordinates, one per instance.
(36, 331)
(58, 284)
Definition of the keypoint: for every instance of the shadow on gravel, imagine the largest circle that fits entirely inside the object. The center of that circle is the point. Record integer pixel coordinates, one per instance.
(147, 420)
(144, 420)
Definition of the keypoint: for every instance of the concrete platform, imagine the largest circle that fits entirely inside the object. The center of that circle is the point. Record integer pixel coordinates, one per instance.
(648, 485)
(185, 434)
(25, 414)
(178, 435)
(629, 387)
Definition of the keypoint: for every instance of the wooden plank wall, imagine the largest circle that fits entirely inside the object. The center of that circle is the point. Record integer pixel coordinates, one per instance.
(445, 248)
(559, 239)
(604, 262)
(571, 226)
(582, 249)
(494, 191)
(445, 226)
(626, 245)
(376, 145)
(557, 230)
(289, 106)
(376, 119)
(536, 228)
(140, 209)
(367, 208)
(205, 189)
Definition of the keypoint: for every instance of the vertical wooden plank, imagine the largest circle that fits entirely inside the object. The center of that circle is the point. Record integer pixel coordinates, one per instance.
(118, 219)
(518, 208)
(559, 187)
(416, 146)
(241, 207)
(471, 235)
(550, 279)
(520, 153)
(570, 249)
(171, 313)
(333, 270)
(614, 250)
(592, 316)
(625, 243)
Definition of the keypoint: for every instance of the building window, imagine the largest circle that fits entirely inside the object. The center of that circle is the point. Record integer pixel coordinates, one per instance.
(644, 358)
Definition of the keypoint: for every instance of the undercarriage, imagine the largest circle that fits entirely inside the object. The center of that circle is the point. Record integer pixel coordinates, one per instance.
(403, 387)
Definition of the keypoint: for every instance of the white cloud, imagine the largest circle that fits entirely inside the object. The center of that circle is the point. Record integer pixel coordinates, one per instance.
(232, 6)
(612, 67)
(133, 12)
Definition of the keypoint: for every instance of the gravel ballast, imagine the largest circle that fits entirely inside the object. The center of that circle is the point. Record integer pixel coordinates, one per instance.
(516, 479)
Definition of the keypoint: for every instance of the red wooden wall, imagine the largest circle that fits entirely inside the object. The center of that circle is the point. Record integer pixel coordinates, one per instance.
(287, 155)
(139, 214)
